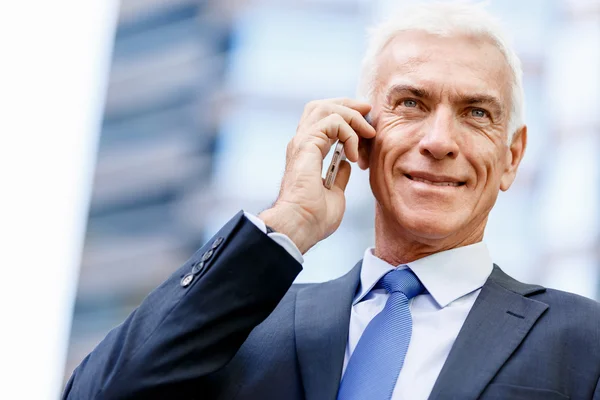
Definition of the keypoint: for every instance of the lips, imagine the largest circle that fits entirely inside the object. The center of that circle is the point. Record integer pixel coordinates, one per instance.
(434, 179)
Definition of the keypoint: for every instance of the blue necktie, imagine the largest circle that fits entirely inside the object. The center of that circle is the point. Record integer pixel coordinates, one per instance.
(373, 369)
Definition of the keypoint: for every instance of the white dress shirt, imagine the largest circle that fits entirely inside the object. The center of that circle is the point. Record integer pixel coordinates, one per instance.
(453, 280)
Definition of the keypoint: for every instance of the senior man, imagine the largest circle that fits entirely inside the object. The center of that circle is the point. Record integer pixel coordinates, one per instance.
(425, 314)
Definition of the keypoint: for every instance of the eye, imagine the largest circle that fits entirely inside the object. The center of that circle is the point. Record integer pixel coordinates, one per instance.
(409, 103)
(478, 113)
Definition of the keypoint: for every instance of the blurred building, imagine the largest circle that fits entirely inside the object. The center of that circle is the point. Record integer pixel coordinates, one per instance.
(204, 96)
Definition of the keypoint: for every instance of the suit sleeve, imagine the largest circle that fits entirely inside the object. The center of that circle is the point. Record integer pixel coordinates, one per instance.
(193, 323)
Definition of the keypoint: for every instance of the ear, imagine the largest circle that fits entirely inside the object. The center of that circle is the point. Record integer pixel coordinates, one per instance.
(364, 152)
(514, 157)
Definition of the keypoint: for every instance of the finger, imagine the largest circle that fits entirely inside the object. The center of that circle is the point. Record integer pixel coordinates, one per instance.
(355, 119)
(336, 128)
(359, 106)
(343, 175)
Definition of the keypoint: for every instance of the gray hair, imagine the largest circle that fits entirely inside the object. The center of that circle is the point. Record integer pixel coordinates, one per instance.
(445, 19)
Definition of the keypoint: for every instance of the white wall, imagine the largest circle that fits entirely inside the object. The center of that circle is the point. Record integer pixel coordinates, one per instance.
(54, 58)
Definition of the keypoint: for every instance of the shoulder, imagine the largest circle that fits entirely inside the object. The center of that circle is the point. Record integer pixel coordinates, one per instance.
(561, 305)
(574, 319)
(569, 303)
(570, 318)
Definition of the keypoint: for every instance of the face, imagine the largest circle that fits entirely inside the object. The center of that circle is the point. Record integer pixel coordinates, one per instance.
(441, 111)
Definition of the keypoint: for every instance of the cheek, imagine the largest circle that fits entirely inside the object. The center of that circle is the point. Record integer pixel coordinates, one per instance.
(395, 135)
(392, 141)
(486, 162)
(390, 145)
(377, 167)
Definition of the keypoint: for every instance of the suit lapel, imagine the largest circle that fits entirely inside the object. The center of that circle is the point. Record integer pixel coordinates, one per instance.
(497, 324)
(322, 321)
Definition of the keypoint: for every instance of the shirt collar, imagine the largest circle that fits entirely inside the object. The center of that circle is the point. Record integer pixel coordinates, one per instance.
(447, 275)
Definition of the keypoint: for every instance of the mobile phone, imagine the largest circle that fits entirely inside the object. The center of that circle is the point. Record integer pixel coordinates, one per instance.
(334, 167)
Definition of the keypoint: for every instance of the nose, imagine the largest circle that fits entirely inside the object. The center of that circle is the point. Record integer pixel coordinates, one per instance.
(439, 138)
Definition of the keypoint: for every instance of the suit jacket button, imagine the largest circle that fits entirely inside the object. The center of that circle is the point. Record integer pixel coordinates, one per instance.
(185, 282)
(217, 242)
(198, 267)
(207, 255)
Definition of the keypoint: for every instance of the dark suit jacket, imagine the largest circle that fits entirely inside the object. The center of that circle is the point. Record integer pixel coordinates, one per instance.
(240, 330)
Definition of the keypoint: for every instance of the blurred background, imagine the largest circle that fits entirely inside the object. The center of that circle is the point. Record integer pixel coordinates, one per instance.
(203, 97)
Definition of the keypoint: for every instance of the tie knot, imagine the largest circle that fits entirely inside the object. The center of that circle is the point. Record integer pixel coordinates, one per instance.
(403, 281)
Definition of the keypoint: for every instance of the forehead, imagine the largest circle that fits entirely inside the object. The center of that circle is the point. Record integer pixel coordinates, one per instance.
(457, 63)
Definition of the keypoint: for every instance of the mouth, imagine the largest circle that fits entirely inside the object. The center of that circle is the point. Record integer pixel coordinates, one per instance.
(435, 181)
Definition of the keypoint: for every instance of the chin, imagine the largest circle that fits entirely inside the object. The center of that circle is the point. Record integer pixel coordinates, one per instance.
(427, 224)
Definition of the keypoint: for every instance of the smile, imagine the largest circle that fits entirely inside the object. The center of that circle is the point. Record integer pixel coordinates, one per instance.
(442, 181)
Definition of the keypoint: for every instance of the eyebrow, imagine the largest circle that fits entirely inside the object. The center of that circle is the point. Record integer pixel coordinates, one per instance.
(471, 99)
(401, 89)
(484, 99)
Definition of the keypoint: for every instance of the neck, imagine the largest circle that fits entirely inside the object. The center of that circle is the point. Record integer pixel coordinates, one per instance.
(397, 245)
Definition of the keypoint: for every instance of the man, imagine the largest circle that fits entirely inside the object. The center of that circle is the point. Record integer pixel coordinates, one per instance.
(425, 314)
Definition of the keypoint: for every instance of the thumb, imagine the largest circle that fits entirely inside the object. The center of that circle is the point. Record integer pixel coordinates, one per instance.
(343, 175)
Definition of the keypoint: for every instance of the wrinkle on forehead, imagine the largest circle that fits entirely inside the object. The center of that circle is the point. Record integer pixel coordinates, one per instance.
(444, 61)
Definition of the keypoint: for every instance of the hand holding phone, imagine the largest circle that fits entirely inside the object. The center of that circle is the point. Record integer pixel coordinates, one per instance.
(336, 160)
(305, 210)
